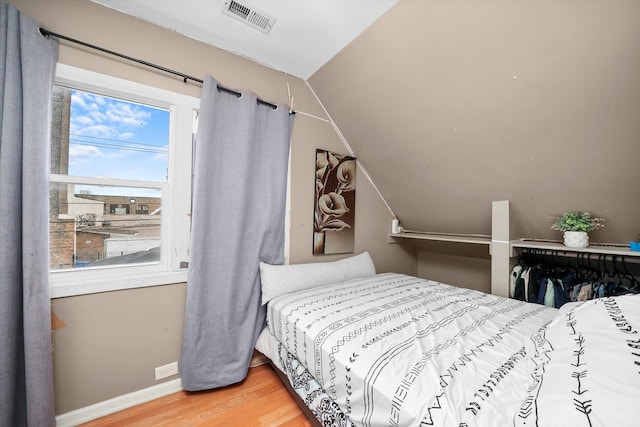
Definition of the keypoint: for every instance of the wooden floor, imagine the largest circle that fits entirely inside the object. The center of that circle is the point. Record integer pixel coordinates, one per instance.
(260, 401)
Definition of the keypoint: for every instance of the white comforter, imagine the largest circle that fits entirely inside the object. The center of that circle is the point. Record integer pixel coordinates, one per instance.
(395, 350)
(586, 366)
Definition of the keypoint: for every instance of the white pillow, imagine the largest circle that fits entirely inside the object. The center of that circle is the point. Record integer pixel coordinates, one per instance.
(282, 279)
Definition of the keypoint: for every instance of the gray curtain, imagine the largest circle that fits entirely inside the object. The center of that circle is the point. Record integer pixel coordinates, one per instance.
(26, 77)
(240, 174)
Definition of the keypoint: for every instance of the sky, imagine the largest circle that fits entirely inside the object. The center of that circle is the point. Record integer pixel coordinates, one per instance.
(117, 139)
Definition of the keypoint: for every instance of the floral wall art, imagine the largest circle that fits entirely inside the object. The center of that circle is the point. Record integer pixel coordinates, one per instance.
(335, 202)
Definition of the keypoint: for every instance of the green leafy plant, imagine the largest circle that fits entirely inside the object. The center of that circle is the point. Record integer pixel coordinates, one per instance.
(577, 221)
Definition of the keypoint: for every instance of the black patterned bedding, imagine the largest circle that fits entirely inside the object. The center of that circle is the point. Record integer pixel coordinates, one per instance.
(326, 411)
(396, 350)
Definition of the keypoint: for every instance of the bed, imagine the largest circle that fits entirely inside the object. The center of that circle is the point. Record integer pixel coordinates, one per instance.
(366, 349)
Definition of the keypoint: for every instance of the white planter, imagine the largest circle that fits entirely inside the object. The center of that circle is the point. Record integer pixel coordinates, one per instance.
(576, 239)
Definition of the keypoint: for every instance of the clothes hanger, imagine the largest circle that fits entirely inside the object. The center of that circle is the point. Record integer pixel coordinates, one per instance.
(634, 282)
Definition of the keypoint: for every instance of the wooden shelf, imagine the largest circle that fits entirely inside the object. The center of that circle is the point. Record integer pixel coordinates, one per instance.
(443, 238)
(598, 249)
(503, 249)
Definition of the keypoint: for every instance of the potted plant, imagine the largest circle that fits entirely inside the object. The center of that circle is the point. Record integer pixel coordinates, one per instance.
(576, 225)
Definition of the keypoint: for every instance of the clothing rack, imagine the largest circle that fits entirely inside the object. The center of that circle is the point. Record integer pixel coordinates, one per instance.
(185, 77)
(581, 256)
(554, 277)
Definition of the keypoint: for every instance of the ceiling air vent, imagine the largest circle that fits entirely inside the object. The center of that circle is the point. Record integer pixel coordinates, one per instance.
(249, 14)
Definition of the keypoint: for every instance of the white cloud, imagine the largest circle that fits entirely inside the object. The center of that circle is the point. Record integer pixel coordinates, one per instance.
(97, 115)
(84, 121)
(128, 115)
(99, 131)
(81, 153)
(102, 117)
(78, 101)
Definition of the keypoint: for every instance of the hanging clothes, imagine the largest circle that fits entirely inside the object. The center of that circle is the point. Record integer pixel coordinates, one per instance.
(542, 278)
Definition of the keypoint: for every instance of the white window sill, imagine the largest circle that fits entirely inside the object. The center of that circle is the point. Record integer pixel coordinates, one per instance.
(114, 282)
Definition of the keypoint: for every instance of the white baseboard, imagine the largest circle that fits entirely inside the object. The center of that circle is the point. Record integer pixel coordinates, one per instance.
(116, 404)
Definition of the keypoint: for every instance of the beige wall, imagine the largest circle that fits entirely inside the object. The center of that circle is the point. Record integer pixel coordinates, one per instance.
(454, 104)
(113, 341)
(464, 265)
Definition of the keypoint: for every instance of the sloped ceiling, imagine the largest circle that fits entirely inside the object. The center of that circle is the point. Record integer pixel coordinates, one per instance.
(450, 105)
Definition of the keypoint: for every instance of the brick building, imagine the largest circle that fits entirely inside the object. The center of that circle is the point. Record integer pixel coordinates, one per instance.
(61, 225)
(123, 205)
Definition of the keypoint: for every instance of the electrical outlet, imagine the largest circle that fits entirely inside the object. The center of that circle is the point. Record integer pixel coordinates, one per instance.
(166, 370)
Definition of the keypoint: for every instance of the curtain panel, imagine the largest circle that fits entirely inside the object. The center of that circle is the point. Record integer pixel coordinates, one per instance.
(26, 79)
(239, 194)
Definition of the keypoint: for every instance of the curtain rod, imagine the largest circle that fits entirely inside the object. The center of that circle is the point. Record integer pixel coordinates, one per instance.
(185, 77)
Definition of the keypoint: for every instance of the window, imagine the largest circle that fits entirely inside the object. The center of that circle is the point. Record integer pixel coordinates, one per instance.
(120, 186)
(108, 139)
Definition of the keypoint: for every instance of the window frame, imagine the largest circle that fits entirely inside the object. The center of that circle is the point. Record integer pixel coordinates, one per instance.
(176, 192)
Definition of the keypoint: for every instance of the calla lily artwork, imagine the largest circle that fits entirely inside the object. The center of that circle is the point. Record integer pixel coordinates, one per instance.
(335, 197)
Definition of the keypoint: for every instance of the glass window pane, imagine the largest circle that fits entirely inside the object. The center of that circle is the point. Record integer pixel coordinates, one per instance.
(105, 138)
(101, 225)
(99, 136)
